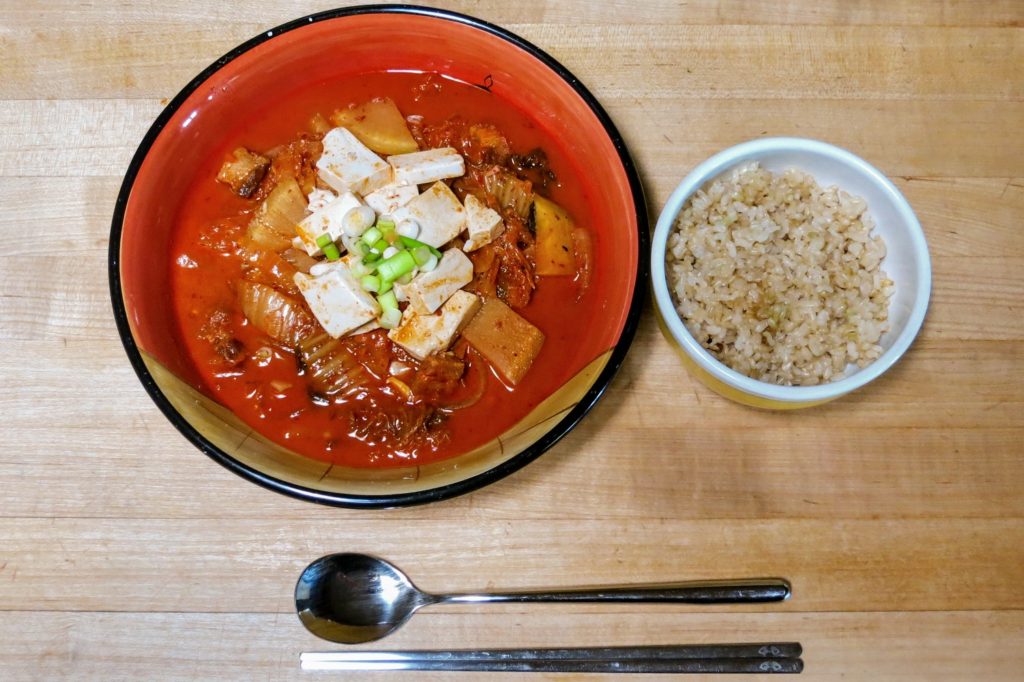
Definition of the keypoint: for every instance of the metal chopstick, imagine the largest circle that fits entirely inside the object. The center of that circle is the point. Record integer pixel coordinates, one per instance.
(779, 657)
(657, 651)
(649, 666)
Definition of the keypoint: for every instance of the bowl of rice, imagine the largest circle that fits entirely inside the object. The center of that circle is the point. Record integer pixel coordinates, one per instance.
(789, 272)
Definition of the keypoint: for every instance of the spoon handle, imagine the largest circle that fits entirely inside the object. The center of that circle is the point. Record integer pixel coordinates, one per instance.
(695, 592)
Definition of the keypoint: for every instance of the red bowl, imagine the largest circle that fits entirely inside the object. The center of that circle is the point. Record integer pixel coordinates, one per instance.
(372, 39)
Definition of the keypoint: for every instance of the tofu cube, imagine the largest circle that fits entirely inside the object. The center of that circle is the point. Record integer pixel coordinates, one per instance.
(483, 224)
(346, 165)
(428, 290)
(368, 327)
(420, 168)
(389, 198)
(439, 213)
(319, 198)
(401, 213)
(423, 335)
(399, 290)
(328, 219)
(337, 300)
(323, 267)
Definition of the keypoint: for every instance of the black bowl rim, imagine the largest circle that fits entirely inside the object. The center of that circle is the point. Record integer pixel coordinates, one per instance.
(498, 472)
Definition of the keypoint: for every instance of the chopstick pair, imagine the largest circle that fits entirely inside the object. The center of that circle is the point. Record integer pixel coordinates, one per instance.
(781, 657)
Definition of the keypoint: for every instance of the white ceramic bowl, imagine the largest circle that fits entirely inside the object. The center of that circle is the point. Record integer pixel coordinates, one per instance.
(906, 263)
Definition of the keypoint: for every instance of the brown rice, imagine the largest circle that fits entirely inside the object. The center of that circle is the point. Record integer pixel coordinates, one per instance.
(778, 278)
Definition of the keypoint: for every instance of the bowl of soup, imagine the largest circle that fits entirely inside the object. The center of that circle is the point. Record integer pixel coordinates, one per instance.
(377, 257)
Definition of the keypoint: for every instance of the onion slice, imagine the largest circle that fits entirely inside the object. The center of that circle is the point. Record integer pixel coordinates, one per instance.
(476, 383)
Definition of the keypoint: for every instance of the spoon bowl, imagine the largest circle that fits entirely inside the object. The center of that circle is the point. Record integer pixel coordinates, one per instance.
(354, 598)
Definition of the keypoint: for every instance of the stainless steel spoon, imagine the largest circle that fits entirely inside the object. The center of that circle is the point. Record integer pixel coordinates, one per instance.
(355, 598)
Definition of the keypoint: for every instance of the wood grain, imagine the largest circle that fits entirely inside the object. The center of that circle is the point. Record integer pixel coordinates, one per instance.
(897, 512)
(147, 13)
(251, 565)
(651, 61)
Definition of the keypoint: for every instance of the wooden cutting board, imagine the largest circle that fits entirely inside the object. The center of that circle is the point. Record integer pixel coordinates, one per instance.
(895, 512)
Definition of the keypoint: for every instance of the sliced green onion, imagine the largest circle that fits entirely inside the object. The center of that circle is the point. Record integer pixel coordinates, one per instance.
(387, 228)
(385, 286)
(370, 283)
(396, 266)
(430, 264)
(406, 278)
(372, 235)
(358, 269)
(357, 219)
(390, 318)
(422, 254)
(331, 251)
(411, 243)
(323, 240)
(371, 258)
(380, 245)
(388, 301)
(408, 227)
(364, 249)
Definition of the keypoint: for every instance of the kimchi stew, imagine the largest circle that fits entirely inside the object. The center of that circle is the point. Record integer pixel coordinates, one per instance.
(387, 273)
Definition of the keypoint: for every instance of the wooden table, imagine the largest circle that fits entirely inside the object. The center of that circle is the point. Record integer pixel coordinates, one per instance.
(898, 512)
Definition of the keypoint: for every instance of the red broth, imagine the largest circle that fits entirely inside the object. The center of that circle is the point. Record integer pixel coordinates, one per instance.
(271, 396)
